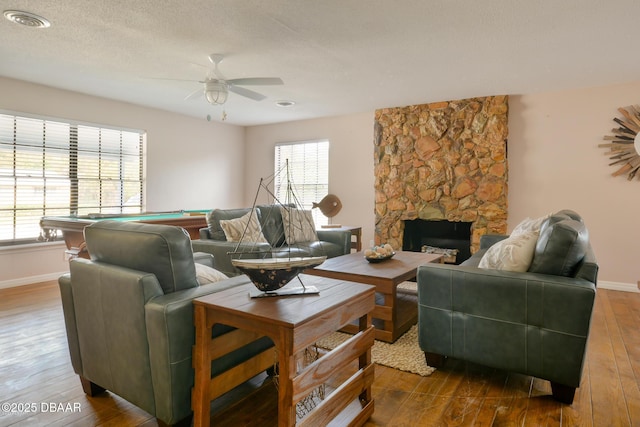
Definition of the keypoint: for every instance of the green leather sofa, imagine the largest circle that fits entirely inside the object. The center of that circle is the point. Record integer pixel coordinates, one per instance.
(129, 317)
(212, 240)
(534, 322)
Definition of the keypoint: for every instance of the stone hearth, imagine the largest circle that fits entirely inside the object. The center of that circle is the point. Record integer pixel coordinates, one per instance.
(445, 160)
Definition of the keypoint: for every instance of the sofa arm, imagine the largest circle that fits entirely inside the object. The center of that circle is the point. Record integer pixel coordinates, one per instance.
(171, 334)
(204, 259)
(530, 323)
(341, 238)
(204, 233)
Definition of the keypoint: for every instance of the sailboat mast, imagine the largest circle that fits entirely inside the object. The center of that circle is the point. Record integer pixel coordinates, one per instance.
(288, 198)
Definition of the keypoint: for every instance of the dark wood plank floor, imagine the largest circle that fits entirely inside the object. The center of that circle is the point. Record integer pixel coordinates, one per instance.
(36, 376)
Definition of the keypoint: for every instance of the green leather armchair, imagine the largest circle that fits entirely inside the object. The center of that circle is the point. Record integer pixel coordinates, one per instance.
(534, 322)
(129, 317)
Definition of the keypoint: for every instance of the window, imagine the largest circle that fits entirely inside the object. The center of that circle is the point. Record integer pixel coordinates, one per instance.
(53, 168)
(309, 171)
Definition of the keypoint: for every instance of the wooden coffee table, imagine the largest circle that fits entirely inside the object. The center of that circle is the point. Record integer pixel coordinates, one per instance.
(293, 323)
(393, 316)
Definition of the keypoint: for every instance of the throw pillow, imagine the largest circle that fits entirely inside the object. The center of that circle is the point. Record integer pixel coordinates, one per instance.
(235, 228)
(216, 215)
(298, 226)
(514, 253)
(529, 224)
(206, 274)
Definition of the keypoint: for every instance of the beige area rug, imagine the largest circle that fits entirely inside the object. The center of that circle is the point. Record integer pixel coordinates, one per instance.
(404, 354)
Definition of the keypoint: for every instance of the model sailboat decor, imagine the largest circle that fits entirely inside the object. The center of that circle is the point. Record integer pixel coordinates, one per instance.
(289, 253)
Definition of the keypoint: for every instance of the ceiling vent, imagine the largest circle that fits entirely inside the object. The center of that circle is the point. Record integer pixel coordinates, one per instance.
(27, 19)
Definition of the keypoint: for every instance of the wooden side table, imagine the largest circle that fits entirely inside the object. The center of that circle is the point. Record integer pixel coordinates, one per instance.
(293, 324)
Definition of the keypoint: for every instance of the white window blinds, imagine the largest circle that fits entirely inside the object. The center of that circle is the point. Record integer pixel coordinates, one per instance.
(53, 168)
(309, 171)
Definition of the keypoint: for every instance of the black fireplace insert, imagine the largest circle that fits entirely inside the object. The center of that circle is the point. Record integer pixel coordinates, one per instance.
(420, 233)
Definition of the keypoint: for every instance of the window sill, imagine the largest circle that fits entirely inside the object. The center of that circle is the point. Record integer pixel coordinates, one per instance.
(32, 247)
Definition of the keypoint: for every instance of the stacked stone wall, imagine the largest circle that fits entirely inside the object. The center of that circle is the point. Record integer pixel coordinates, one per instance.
(445, 160)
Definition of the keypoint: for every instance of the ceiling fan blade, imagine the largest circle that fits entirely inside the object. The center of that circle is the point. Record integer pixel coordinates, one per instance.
(246, 93)
(258, 81)
(195, 94)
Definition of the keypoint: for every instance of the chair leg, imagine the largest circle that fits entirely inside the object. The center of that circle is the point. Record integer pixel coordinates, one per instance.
(434, 360)
(563, 393)
(185, 422)
(89, 388)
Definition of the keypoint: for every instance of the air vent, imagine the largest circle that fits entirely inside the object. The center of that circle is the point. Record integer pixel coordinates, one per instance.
(27, 19)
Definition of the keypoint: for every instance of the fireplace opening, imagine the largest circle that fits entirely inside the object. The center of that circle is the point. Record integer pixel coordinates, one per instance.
(433, 235)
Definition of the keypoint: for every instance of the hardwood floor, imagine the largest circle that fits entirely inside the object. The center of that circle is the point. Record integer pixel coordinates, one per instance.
(35, 373)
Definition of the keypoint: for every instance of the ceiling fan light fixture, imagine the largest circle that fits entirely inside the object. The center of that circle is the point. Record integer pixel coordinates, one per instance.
(27, 19)
(216, 92)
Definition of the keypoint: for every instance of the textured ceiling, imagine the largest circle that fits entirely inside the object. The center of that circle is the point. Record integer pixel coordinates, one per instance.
(335, 57)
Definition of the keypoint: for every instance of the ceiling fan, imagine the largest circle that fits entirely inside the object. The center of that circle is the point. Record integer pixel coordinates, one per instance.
(216, 87)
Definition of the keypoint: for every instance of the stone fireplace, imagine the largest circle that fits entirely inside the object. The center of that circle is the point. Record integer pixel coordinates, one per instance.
(441, 161)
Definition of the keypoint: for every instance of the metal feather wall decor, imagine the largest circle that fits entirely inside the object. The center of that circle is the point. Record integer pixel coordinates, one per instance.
(624, 143)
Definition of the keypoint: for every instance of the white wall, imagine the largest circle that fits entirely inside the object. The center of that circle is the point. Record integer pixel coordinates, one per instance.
(555, 163)
(191, 163)
(350, 162)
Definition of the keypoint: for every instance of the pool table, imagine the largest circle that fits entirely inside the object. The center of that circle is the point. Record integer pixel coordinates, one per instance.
(72, 227)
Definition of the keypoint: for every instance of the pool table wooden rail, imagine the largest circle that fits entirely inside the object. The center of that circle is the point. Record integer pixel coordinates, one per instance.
(72, 228)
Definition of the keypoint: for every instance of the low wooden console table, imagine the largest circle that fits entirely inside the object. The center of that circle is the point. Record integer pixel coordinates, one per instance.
(394, 315)
(293, 323)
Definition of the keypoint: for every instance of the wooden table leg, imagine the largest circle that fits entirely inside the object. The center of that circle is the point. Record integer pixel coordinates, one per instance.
(365, 359)
(200, 402)
(287, 371)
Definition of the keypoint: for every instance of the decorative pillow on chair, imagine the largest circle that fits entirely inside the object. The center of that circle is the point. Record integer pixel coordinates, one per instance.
(514, 253)
(206, 274)
(234, 228)
(298, 226)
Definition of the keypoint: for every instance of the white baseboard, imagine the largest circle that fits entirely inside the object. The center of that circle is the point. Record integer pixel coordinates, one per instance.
(618, 286)
(30, 280)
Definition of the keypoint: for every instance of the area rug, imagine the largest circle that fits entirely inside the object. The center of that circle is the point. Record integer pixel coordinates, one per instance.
(404, 354)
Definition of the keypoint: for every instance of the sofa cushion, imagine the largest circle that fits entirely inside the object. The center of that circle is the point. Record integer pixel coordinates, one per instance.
(246, 228)
(298, 226)
(561, 246)
(216, 215)
(561, 216)
(514, 253)
(571, 214)
(271, 221)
